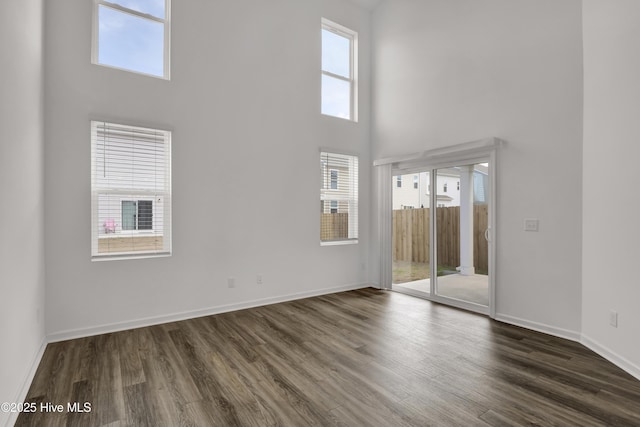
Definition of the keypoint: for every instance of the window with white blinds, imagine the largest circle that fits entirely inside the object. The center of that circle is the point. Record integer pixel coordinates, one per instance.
(130, 191)
(338, 198)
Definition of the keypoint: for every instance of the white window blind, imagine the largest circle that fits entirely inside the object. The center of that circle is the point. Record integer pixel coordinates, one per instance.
(130, 191)
(338, 198)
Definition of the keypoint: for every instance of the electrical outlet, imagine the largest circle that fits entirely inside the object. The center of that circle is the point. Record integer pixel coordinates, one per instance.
(531, 224)
(613, 318)
(231, 282)
(259, 279)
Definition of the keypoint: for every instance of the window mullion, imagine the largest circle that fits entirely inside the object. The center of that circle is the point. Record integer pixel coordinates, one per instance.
(336, 76)
(132, 12)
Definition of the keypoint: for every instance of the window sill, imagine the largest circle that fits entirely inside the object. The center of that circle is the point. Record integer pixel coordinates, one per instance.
(339, 242)
(123, 256)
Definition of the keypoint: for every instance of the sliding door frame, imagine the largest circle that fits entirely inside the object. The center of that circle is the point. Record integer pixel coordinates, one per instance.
(483, 151)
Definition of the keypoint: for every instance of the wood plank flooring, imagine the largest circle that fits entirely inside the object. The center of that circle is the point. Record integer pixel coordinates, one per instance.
(360, 358)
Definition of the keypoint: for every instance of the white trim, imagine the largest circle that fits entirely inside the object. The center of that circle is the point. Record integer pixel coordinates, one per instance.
(493, 209)
(480, 146)
(338, 242)
(157, 320)
(167, 39)
(611, 356)
(128, 255)
(539, 327)
(26, 384)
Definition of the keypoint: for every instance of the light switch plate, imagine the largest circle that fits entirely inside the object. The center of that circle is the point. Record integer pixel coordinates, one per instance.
(531, 224)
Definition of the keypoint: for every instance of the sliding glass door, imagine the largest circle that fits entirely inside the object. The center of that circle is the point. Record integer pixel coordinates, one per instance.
(461, 223)
(440, 233)
(411, 231)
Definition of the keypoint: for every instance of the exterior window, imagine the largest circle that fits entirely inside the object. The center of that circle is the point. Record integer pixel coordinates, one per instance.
(132, 35)
(334, 179)
(458, 186)
(130, 191)
(399, 181)
(444, 187)
(339, 204)
(137, 214)
(339, 71)
(415, 181)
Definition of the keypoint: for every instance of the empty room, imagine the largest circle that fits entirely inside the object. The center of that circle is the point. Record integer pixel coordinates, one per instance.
(319, 212)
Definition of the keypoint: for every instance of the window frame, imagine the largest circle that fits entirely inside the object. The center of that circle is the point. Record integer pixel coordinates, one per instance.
(164, 198)
(166, 56)
(352, 36)
(352, 202)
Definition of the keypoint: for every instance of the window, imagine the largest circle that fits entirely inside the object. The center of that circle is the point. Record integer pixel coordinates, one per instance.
(339, 71)
(130, 191)
(132, 35)
(334, 179)
(339, 215)
(444, 187)
(415, 181)
(458, 186)
(399, 181)
(137, 214)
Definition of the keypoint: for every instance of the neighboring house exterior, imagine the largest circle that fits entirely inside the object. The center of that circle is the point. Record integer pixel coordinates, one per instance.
(337, 191)
(412, 191)
(129, 214)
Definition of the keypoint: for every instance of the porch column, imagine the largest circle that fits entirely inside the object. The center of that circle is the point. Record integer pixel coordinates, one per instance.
(466, 221)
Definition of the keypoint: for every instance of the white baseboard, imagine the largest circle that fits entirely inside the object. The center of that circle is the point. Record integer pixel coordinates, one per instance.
(591, 344)
(26, 384)
(539, 327)
(156, 320)
(611, 356)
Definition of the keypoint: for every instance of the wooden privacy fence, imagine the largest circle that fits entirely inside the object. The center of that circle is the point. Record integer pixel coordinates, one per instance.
(334, 226)
(411, 236)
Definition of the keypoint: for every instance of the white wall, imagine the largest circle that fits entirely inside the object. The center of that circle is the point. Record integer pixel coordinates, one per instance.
(21, 196)
(452, 71)
(611, 151)
(243, 104)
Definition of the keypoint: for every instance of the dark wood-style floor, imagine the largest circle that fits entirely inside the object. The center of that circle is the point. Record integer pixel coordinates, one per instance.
(361, 358)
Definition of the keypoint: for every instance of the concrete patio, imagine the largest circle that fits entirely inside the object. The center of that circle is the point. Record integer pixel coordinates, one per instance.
(472, 288)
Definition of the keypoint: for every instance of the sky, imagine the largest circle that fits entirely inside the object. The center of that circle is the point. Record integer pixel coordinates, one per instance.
(131, 42)
(336, 93)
